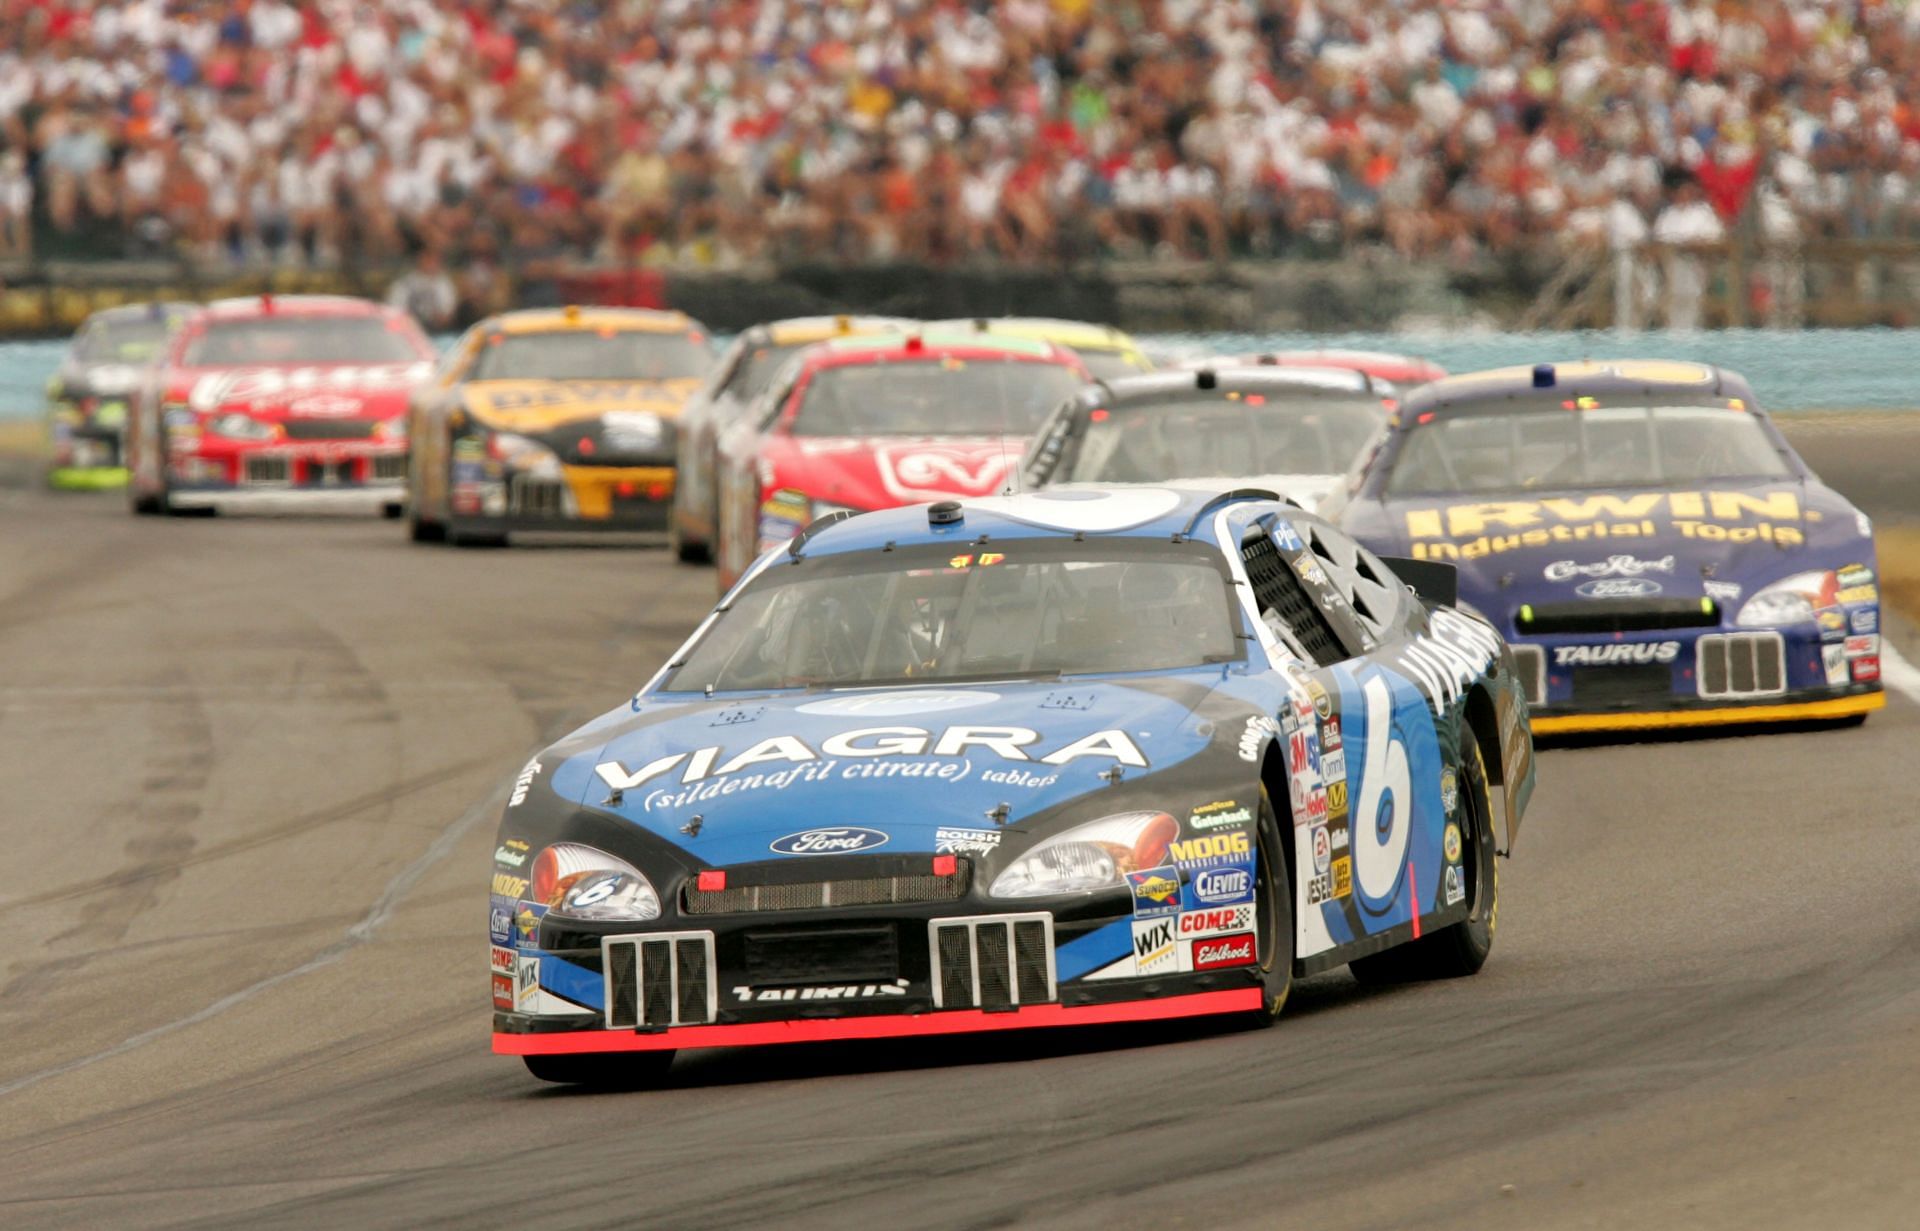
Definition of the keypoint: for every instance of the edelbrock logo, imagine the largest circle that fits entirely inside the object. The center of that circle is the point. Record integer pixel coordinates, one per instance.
(841, 841)
(1621, 587)
(1619, 654)
(1223, 886)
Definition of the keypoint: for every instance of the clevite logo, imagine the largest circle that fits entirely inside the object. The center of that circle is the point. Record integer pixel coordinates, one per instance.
(1223, 951)
(1222, 886)
(843, 841)
(1618, 654)
(1007, 743)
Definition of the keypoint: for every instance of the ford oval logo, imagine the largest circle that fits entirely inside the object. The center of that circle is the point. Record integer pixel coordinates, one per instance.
(842, 841)
(1618, 587)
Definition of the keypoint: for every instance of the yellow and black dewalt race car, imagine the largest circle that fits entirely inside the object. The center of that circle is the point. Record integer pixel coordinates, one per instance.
(553, 419)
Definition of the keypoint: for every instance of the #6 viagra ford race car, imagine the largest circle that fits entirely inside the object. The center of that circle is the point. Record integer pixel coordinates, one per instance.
(1051, 759)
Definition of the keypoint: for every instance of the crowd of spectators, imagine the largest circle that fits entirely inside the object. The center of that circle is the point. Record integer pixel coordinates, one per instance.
(511, 133)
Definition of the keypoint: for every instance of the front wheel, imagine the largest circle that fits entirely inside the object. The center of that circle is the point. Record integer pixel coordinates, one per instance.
(685, 550)
(620, 1071)
(1273, 918)
(1459, 949)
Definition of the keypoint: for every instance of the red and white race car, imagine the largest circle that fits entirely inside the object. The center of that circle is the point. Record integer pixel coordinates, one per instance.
(296, 402)
(878, 421)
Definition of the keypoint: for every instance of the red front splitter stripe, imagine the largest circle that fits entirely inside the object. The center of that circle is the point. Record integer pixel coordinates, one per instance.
(821, 1030)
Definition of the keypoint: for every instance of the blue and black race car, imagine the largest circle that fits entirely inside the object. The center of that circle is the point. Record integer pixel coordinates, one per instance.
(1053, 759)
(1656, 552)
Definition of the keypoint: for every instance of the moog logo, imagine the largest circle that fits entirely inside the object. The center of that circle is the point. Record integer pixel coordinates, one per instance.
(843, 841)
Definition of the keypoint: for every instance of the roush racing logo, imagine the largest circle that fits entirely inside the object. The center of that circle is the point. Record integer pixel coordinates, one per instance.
(912, 473)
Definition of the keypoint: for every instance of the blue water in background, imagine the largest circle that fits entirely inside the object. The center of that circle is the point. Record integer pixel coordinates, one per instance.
(1823, 369)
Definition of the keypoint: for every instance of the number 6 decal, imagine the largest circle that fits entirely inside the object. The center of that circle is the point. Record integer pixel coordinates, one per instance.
(1382, 817)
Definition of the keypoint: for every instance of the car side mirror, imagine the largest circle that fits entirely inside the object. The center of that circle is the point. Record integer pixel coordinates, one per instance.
(1435, 581)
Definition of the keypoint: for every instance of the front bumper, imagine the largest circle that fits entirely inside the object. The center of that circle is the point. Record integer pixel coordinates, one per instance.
(371, 499)
(86, 478)
(1716, 676)
(576, 498)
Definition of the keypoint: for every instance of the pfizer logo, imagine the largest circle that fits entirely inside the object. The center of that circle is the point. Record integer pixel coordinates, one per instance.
(845, 840)
(898, 704)
(1223, 886)
(1618, 587)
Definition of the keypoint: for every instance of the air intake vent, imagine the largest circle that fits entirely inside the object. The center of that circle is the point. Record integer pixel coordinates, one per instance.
(658, 980)
(738, 899)
(1739, 665)
(1277, 590)
(1617, 615)
(992, 962)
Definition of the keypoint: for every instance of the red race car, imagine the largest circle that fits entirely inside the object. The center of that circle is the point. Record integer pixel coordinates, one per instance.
(873, 422)
(295, 403)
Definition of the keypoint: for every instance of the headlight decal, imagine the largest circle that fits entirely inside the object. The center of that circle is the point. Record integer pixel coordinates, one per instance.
(1089, 857)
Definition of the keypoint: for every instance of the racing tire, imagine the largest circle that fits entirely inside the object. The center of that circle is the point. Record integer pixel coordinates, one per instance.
(420, 530)
(621, 1071)
(392, 512)
(1459, 949)
(143, 505)
(683, 551)
(1273, 919)
(468, 538)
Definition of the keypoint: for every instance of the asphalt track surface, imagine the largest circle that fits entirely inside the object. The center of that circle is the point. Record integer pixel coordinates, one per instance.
(249, 775)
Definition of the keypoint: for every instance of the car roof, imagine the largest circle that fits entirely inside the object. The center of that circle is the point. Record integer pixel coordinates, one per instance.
(574, 318)
(1553, 382)
(1142, 512)
(1157, 386)
(929, 343)
(801, 330)
(1384, 365)
(253, 307)
(1076, 335)
(164, 309)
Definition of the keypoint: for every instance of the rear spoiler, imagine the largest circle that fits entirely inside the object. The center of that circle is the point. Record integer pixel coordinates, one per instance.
(1435, 581)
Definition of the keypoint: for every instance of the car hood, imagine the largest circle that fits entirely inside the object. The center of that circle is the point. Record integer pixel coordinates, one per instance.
(884, 472)
(1717, 540)
(899, 765)
(100, 379)
(537, 405)
(329, 391)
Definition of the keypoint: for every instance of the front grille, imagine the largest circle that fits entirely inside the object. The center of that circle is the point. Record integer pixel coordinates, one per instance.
(1609, 686)
(659, 980)
(1277, 589)
(833, 955)
(269, 470)
(1530, 667)
(1741, 664)
(813, 895)
(993, 962)
(528, 496)
(327, 474)
(1617, 615)
(612, 441)
(389, 467)
(328, 429)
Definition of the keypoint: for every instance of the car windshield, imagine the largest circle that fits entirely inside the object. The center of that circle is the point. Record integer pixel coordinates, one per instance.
(130, 341)
(1111, 364)
(1027, 607)
(1223, 434)
(301, 339)
(591, 354)
(757, 369)
(1503, 449)
(933, 397)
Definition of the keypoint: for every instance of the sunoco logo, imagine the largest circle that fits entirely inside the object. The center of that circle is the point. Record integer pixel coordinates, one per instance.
(843, 841)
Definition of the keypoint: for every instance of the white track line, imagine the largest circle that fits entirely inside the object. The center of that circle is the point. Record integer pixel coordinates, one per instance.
(1897, 672)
